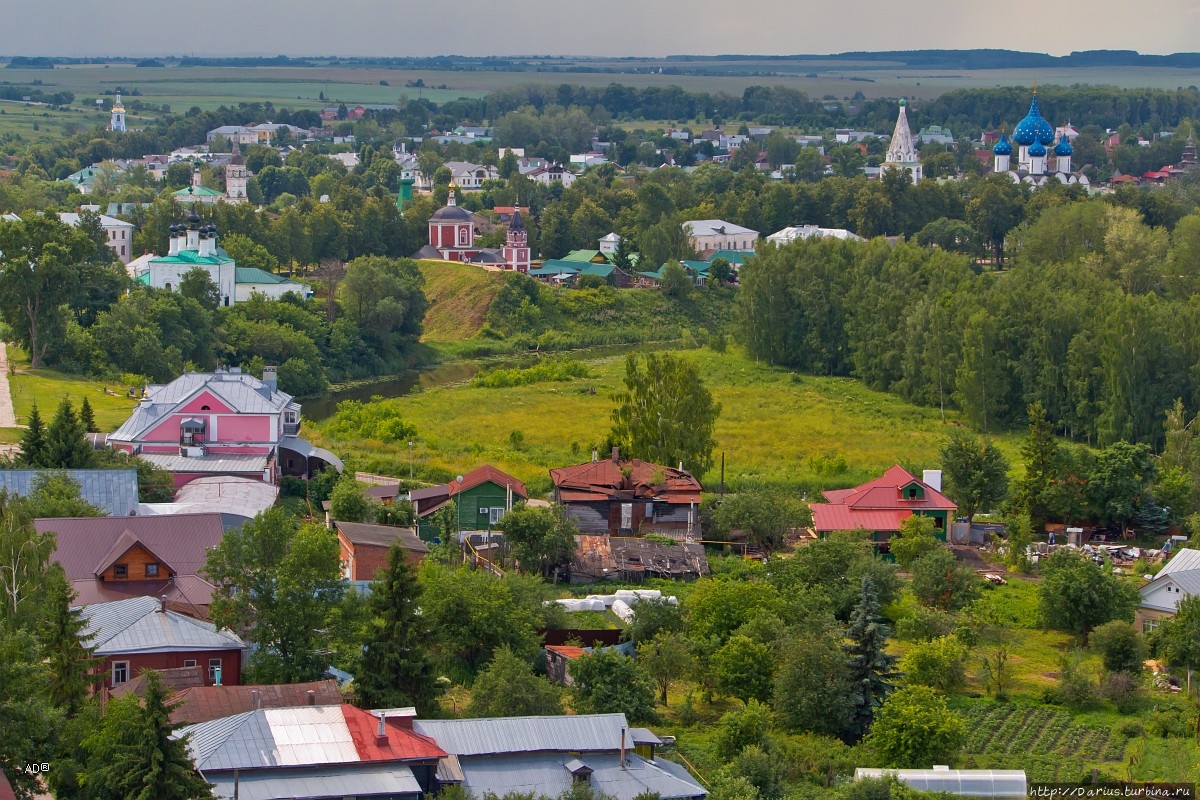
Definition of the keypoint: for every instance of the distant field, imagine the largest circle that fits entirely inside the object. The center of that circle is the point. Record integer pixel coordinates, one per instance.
(775, 426)
(34, 122)
(301, 87)
(459, 296)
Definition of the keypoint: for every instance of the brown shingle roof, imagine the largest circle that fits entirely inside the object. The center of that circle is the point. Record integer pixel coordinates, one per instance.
(382, 535)
(182, 541)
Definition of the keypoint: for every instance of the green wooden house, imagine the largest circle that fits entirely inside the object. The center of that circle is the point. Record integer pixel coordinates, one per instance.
(480, 497)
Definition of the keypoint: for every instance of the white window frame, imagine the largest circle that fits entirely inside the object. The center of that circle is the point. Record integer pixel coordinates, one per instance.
(215, 663)
(123, 667)
(189, 662)
(495, 513)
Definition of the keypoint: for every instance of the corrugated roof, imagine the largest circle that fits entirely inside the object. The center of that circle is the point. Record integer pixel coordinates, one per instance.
(255, 275)
(483, 474)
(606, 477)
(182, 541)
(218, 464)
(546, 774)
(382, 535)
(1184, 569)
(309, 450)
(877, 505)
(113, 491)
(828, 517)
(581, 733)
(203, 703)
(365, 781)
(137, 625)
(189, 594)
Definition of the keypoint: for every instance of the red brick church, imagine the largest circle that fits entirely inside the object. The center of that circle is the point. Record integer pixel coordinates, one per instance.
(452, 238)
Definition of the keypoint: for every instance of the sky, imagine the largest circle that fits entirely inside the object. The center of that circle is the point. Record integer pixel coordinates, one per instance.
(601, 27)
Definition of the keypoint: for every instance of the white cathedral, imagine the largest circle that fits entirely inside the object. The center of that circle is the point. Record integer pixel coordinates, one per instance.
(1035, 139)
(902, 150)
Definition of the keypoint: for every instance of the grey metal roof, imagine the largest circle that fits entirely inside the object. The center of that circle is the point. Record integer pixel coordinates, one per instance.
(224, 494)
(242, 392)
(304, 448)
(172, 462)
(272, 737)
(580, 733)
(137, 625)
(546, 774)
(373, 780)
(382, 535)
(114, 491)
(1184, 569)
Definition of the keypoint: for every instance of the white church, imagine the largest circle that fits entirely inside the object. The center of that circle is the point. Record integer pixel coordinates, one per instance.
(1039, 157)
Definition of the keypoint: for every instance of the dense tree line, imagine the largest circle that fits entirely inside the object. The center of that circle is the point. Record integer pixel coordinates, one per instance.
(1095, 321)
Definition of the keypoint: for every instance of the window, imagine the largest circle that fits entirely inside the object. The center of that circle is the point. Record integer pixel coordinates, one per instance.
(189, 662)
(1149, 625)
(152, 570)
(214, 669)
(120, 672)
(495, 515)
(120, 570)
(122, 249)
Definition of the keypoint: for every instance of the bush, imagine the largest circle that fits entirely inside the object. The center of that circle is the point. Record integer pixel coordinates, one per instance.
(1076, 688)
(1129, 729)
(1169, 722)
(941, 664)
(737, 730)
(924, 624)
(1120, 646)
(1123, 689)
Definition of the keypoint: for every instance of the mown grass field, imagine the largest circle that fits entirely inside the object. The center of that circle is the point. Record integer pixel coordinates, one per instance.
(35, 122)
(459, 296)
(47, 388)
(775, 427)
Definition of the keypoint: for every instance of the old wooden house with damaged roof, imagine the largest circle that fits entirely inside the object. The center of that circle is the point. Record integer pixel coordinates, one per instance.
(629, 497)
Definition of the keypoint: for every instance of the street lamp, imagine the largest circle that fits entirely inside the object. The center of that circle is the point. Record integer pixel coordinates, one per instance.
(410, 459)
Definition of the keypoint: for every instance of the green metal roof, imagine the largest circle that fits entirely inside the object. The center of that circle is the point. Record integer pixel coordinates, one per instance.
(584, 255)
(194, 257)
(255, 275)
(603, 270)
(556, 266)
(732, 256)
(196, 191)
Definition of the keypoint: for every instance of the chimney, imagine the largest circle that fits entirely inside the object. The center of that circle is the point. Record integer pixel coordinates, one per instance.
(622, 748)
(616, 455)
(162, 604)
(196, 178)
(271, 378)
(312, 697)
(381, 737)
(595, 455)
(933, 479)
(255, 700)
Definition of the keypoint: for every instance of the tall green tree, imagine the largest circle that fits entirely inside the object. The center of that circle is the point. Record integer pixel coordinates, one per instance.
(976, 473)
(744, 668)
(134, 755)
(609, 682)
(665, 415)
(1177, 639)
(813, 689)
(939, 581)
(278, 583)
(542, 540)
(1118, 486)
(915, 730)
(65, 644)
(1040, 452)
(348, 502)
(24, 562)
(1076, 594)
(385, 299)
(396, 667)
(33, 441)
(40, 261)
(871, 669)
(765, 516)
(665, 658)
(914, 540)
(87, 417)
(28, 721)
(981, 382)
(508, 687)
(67, 445)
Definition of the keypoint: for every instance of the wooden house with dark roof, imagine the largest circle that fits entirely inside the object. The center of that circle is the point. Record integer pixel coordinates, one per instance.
(481, 497)
(629, 497)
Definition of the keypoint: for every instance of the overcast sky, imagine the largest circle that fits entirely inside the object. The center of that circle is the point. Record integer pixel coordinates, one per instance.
(601, 27)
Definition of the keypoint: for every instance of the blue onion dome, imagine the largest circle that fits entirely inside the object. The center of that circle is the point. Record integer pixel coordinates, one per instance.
(1063, 148)
(1037, 150)
(1003, 147)
(1034, 128)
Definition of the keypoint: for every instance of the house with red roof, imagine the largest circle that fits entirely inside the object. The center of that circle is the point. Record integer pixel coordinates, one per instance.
(628, 497)
(115, 558)
(481, 497)
(316, 751)
(879, 506)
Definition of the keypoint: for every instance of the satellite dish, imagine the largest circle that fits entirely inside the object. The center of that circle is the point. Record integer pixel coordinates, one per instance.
(459, 478)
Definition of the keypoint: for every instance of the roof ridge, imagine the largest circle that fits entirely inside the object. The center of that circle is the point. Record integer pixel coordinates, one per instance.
(132, 601)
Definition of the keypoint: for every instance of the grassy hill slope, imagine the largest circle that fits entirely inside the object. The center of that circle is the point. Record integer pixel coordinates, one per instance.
(459, 296)
(776, 427)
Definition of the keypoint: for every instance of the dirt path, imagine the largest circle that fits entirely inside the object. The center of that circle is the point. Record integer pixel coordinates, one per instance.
(8, 419)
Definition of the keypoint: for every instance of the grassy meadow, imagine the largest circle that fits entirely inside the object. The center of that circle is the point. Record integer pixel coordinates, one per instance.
(459, 296)
(776, 427)
(47, 388)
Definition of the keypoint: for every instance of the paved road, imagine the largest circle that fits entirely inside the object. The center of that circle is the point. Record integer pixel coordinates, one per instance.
(7, 418)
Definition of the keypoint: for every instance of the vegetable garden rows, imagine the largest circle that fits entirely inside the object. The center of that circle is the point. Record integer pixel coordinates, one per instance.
(1042, 741)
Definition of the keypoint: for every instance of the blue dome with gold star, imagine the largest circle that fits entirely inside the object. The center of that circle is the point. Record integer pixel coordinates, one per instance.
(1034, 128)
(1003, 147)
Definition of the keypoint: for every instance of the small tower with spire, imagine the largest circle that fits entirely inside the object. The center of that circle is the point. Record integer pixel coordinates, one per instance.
(117, 121)
(237, 176)
(516, 246)
(902, 150)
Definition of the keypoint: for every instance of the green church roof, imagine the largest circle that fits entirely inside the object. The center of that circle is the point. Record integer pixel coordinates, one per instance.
(196, 191)
(194, 257)
(255, 275)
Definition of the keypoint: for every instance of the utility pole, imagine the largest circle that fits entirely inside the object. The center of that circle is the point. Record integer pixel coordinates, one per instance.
(410, 460)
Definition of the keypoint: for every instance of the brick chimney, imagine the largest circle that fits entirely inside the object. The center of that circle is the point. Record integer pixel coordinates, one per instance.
(381, 737)
(616, 455)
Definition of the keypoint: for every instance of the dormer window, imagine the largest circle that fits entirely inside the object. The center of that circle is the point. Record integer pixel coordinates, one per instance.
(152, 570)
(120, 571)
(191, 431)
(289, 417)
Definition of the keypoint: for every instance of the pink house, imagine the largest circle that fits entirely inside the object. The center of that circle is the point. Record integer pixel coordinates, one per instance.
(221, 423)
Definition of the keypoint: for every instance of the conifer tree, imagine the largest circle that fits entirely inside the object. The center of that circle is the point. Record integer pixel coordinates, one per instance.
(133, 756)
(396, 667)
(66, 441)
(65, 647)
(87, 417)
(871, 668)
(33, 441)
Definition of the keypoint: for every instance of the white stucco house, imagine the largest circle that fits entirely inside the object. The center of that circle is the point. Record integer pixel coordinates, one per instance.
(717, 234)
(1178, 580)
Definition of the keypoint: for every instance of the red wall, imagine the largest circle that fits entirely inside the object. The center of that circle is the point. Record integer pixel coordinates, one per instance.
(231, 664)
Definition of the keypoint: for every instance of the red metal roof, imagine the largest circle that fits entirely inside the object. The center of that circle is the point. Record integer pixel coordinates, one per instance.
(487, 473)
(843, 518)
(878, 505)
(403, 744)
(606, 480)
(567, 650)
